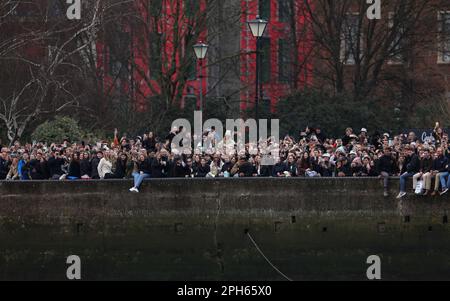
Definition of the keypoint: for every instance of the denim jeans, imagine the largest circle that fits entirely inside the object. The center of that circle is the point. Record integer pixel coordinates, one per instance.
(403, 178)
(442, 177)
(385, 177)
(139, 178)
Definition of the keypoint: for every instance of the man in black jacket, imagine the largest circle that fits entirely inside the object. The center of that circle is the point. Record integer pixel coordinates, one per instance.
(412, 167)
(179, 170)
(348, 136)
(245, 168)
(226, 167)
(94, 164)
(38, 168)
(54, 164)
(279, 169)
(160, 166)
(343, 167)
(439, 168)
(386, 166)
(4, 164)
(190, 170)
(203, 169)
(320, 135)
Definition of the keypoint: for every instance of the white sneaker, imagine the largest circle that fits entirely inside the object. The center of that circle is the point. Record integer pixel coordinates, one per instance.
(444, 191)
(400, 195)
(132, 189)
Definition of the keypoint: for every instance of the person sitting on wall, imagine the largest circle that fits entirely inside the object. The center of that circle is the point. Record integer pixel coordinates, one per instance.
(386, 166)
(144, 170)
(412, 162)
(426, 163)
(439, 168)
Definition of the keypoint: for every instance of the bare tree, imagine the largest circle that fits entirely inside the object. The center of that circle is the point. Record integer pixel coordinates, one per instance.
(40, 57)
(352, 49)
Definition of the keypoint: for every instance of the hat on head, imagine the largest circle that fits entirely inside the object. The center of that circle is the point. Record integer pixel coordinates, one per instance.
(341, 149)
(364, 130)
(386, 134)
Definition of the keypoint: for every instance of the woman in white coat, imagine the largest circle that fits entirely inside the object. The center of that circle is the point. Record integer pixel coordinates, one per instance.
(105, 165)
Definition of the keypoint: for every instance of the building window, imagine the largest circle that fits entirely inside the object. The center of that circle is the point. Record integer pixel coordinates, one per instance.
(155, 55)
(119, 55)
(25, 9)
(350, 46)
(264, 9)
(191, 7)
(191, 67)
(55, 9)
(397, 45)
(284, 10)
(284, 61)
(265, 59)
(155, 7)
(444, 37)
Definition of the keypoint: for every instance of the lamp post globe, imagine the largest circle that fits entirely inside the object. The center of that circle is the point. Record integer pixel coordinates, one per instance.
(257, 26)
(200, 50)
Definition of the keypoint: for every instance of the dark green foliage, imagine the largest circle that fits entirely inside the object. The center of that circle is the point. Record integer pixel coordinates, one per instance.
(332, 113)
(57, 130)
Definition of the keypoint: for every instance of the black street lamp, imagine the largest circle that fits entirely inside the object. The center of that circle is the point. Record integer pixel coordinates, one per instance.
(257, 27)
(200, 50)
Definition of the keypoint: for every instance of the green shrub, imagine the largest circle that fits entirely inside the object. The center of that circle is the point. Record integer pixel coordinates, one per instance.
(57, 130)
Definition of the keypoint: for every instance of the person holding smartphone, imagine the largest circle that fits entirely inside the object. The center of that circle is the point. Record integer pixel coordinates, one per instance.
(144, 170)
(438, 133)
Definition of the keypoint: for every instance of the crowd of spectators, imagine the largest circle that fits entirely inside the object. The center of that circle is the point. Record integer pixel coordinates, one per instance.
(313, 154)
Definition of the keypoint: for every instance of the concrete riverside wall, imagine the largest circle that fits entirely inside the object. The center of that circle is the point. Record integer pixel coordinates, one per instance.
(201, 229)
